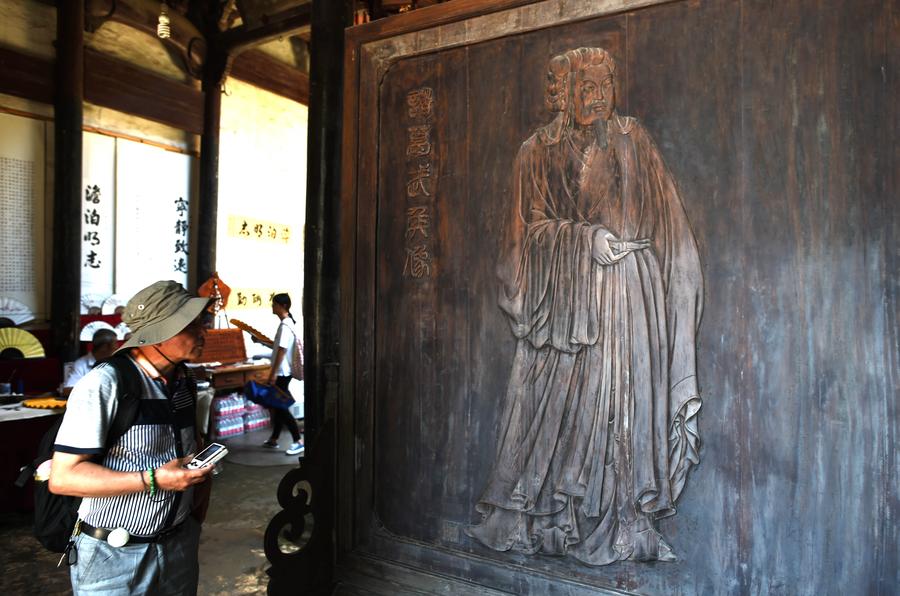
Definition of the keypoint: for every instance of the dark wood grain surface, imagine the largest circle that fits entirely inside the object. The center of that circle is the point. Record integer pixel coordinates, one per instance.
(779, 122)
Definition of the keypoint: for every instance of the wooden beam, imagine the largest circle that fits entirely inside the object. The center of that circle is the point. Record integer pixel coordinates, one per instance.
(115, 84)
(22, 75)
(281, 24)
(261, 70)
(110, 83)
(431, 16)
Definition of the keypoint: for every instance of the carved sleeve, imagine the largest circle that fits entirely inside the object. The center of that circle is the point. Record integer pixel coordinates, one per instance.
(546, 270)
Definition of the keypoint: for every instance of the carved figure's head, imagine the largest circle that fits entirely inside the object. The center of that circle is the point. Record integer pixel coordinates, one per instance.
(581, 83)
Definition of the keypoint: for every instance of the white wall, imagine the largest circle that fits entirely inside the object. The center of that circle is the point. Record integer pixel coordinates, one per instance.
(262, 181)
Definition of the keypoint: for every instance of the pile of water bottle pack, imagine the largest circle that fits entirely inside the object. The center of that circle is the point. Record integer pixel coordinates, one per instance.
(233, 414)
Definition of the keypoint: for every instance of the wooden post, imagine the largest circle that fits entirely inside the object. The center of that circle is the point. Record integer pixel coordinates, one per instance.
(208, 208)
(312, 570)
(69, 118)
(321, 292)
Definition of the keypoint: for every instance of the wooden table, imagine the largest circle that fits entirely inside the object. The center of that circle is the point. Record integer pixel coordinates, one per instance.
(21, 431)
(231, 376)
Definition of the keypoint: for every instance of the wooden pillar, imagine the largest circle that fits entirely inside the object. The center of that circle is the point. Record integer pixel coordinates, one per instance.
(208, 208)
(310, 571)
(68, 121)
(321, 292)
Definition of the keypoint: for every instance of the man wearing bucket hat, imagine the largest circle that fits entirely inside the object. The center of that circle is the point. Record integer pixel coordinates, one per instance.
(135, 533)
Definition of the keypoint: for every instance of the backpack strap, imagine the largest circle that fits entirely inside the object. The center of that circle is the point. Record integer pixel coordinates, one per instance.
(129, 389)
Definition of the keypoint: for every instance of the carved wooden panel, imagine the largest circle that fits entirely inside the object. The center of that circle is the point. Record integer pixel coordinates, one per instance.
(500, 293)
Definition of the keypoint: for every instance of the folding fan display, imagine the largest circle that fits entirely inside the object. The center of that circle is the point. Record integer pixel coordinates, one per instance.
(112, 303)
(21, 340)
(15, 311)
(121, 331)
(88, 331)
(92, 302)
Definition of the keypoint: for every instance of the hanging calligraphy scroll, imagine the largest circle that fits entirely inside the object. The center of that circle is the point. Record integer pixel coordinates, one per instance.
(97, 211)
(152, 216)
(22, 151)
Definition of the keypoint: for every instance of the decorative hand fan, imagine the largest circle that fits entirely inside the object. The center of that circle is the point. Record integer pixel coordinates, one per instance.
(92, 304)
(44, 403)
(15, 311)
(112, 303)
(251, 330)
(121, 331)
(88, 331)
(21, 340)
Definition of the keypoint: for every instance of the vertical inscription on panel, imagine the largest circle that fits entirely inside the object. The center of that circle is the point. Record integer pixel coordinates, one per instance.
(420, 153)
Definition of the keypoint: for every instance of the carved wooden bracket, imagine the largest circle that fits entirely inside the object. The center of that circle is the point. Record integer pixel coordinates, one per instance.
(298, 540)
(284, 23)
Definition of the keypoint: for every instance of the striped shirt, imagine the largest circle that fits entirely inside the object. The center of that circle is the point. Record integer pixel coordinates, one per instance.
(163, 430)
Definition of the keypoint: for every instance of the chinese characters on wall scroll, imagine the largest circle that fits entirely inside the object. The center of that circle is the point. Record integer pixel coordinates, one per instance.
(249, 228)
(98, 212)
(181, 231)
(152, 214)
(251, 298)
(17, 198)
(91, 238)
(420, 187)
(267, 241)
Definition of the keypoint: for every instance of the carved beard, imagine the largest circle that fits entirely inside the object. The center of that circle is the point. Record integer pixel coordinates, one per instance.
(600, 131)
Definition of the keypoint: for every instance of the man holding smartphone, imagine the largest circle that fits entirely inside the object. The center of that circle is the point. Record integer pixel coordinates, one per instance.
(136, 534)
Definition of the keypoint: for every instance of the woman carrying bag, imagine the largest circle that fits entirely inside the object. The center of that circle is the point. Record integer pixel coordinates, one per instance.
(280, 374)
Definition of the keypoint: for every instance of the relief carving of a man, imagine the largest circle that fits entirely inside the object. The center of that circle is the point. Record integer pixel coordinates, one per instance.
(602, 287)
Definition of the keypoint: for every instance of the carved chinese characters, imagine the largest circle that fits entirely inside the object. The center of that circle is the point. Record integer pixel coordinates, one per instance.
(419, 184)
(600, 283)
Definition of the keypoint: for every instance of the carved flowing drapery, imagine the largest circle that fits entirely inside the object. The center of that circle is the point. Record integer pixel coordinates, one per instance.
(599, 428)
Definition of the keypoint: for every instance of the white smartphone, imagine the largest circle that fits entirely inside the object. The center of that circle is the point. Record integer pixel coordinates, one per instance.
(209, 456)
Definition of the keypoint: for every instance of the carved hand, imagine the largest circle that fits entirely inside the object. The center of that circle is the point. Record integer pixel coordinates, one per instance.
(629, 245)
(601, 250)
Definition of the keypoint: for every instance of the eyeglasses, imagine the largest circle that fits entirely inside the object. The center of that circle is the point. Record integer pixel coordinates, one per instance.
(204, 322)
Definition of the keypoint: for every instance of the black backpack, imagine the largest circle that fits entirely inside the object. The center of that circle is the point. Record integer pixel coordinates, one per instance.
(55, 515)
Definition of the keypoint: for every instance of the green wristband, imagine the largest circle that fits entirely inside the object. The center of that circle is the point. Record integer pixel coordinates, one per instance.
(152, 473)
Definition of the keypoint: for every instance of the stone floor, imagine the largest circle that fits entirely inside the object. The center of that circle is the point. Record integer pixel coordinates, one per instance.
(231, 552)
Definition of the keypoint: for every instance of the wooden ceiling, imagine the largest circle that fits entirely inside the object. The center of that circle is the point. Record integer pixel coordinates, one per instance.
(230, 27)
(276, 29)
(263, 42)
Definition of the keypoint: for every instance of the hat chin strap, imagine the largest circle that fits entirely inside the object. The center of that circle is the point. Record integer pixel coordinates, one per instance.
(161, 353)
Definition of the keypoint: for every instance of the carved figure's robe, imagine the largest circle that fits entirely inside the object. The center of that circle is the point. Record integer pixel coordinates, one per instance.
(599, 427)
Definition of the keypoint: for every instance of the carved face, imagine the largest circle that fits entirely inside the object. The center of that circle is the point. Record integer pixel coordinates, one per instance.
(594, 95)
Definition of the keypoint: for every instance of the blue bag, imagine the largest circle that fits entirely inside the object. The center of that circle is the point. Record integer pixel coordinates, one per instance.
(267, 395)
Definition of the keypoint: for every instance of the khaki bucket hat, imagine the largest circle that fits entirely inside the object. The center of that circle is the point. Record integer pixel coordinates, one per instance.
(160, 312)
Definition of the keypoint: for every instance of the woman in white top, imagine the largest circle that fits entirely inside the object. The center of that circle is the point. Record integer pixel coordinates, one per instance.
(280, 373)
